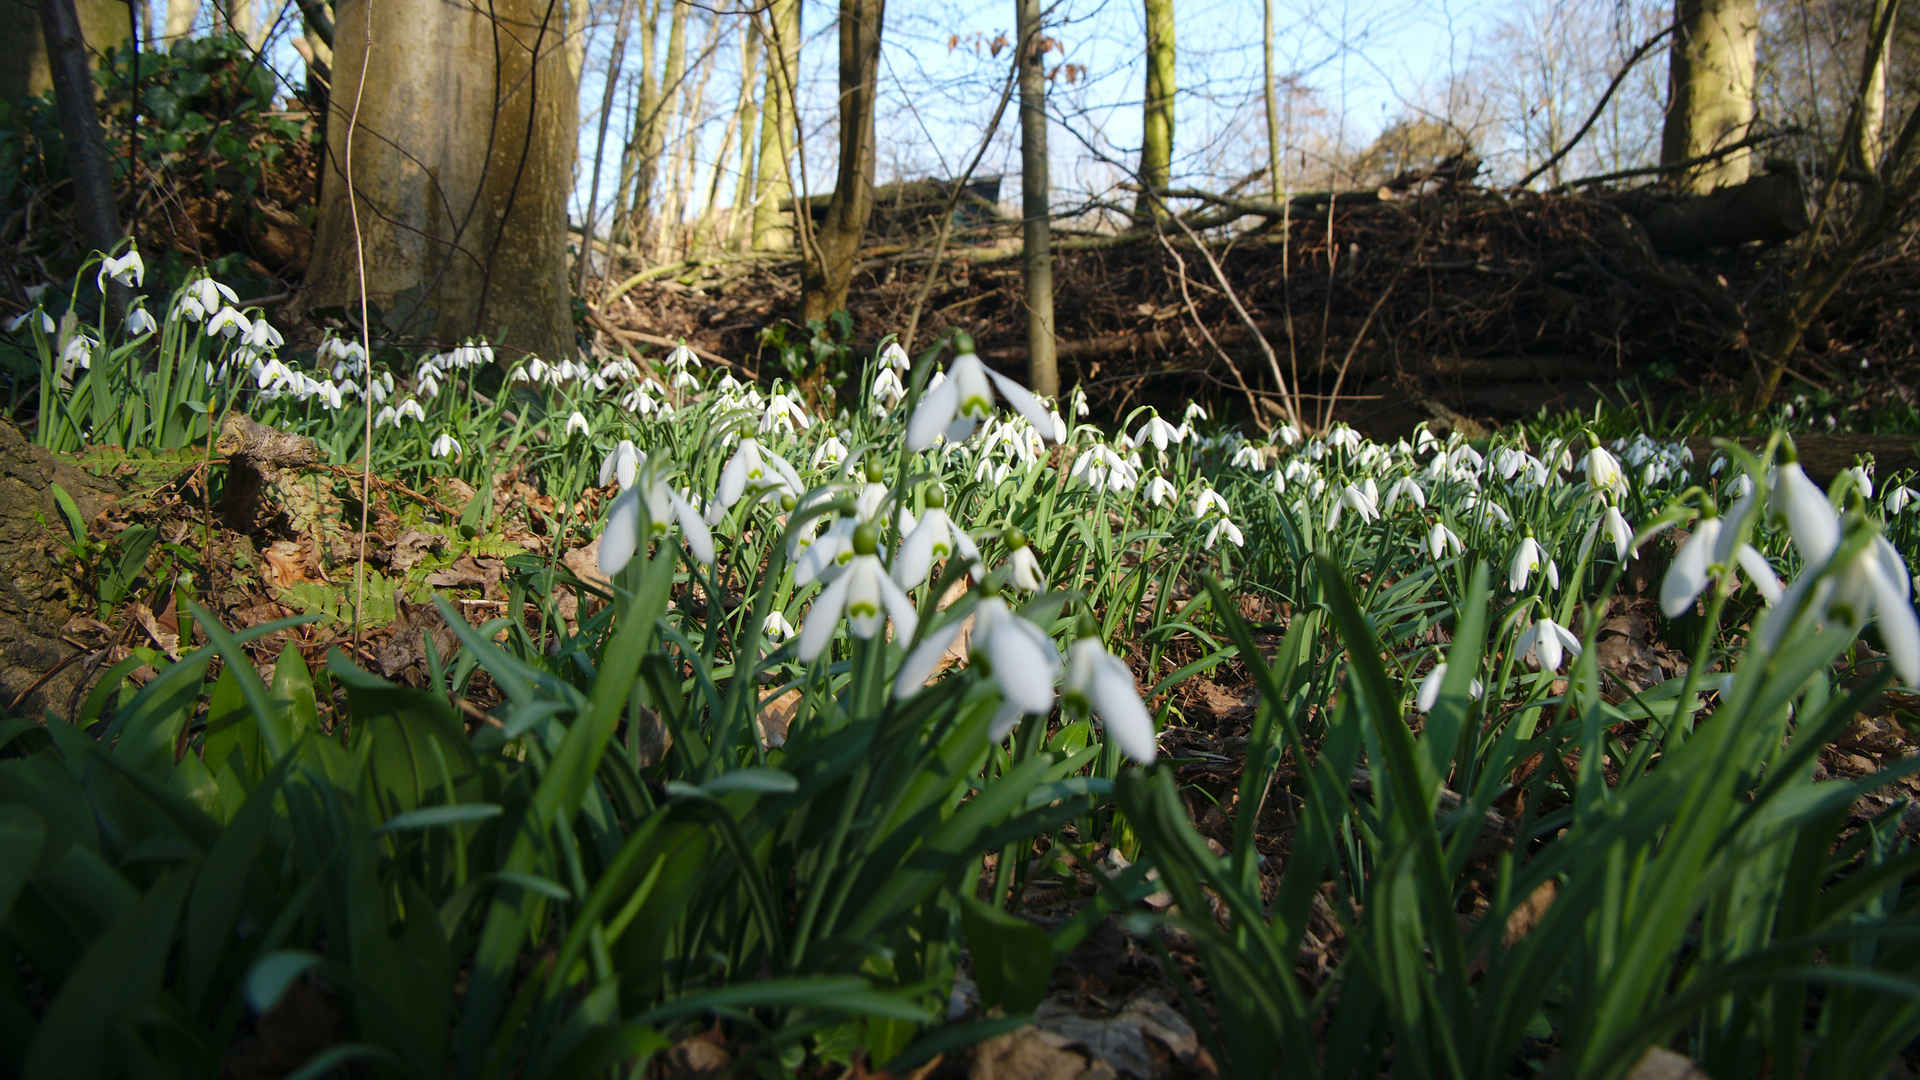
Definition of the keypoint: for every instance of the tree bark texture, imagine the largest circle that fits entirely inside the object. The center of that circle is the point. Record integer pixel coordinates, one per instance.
(653, 126)
(1710, 89)
(739, 233)
(1043, 370)
(827, 276)
(772, 228)
(462, 164)
(1156, 121)
(66, 56)
(25, 72)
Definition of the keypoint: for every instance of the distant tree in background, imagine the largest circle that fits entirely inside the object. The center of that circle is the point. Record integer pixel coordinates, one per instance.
(1156, 119)
(1711, 90)
(24, 73)
(829, 269)
(1036, 209)
(462, 163)
(772, 186)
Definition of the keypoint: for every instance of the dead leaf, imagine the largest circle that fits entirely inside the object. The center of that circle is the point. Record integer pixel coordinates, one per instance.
(469, 572)
(1522, 920)
(168, 643)
(412, 546)
(1660, 1063)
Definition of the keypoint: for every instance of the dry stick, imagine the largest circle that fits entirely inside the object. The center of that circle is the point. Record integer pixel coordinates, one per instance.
(1186, 296)
(1619, 77)
(366, 345)
(1287, 395)
(946, 218)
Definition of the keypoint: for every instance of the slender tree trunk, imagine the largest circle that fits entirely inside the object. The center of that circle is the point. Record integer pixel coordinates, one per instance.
(658, 122)
(1272, 95)
(462, 178)
(703, 230)
(66, 58)
(615, 61)
(828, 274)
(1043, 371)
(630, 196)
(1710, 91)
(1873, 99)
(740, 216)
(680, 164)
(772, 227)
(1156, 120)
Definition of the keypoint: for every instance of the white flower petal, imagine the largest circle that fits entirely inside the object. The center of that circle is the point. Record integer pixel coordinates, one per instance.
(823, 618)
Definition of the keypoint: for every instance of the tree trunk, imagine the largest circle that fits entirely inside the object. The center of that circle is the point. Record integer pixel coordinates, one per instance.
(1272, 95)
(614, 63)
(657, 122)
(1043, 372)
(772, 186)
(828, 274)
(180, 16)
(1156, 120)
(1710, 90)
(680, 179)
(66, 59)
(740, 217)
(461, 177)
(628, 199)
(102, 23)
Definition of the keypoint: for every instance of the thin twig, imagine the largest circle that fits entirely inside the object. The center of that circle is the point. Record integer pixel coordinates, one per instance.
(366, 345)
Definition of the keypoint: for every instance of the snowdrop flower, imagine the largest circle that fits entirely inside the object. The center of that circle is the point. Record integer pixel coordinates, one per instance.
(888, 391)
(1209, 503)
(1160, 491)
(894, 357)
(446, 446)
(46, 321)
(1546, 644)
(1899, 499)
(1020, 659)
(1223, 526)
(1441, 540)
(208, 296)
(1355, 499)
(426, 384)
(1862, 479)
(1408, 488)
(621, 538)
(259, 335)
(1158, 432)
(228, 322)
(829, 453)
(935, 537)
(1025, 565)
(1614, 524)
(783, 410)
(410, 410)
(1604, 472)
(1101, 683)
(752, 469)
(577, 425)
(1527, 558)
(622, 464)
(1287, 434)
(139, 322)
(965, 398)
(1429, 691)
(126, 269)
(776, 627)
(77, 355)
(864, 595)
(1711, 552)
(1871, 585)
(1100, 467)
(1248, 456)
(1811, 519)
